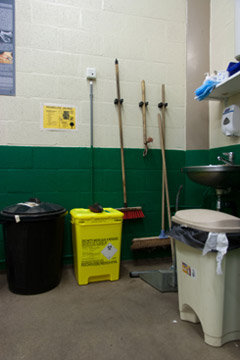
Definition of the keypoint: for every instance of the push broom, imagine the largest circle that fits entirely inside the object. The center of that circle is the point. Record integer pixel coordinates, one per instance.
(162, 280)
(163, 106)
(162, 239)
(129, 212)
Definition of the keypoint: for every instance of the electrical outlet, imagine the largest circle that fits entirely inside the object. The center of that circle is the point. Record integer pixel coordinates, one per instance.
(91, 74)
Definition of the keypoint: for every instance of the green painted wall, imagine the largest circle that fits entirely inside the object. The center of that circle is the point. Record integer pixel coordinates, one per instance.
(63, 176)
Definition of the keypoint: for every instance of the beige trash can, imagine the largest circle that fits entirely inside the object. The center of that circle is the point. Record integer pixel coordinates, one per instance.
(205, 296)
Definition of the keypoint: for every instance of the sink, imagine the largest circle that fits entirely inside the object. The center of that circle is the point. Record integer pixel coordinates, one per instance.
(216, 176)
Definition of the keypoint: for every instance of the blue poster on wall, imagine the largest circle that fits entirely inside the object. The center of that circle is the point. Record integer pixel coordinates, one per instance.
(7, 47)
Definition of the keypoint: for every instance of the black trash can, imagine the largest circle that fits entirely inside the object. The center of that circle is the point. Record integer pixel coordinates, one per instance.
(33, 234)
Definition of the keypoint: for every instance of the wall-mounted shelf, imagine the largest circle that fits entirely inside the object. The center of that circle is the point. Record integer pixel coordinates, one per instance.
(228, 88)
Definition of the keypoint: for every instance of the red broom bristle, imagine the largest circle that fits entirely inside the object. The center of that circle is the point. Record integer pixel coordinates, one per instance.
(132, 214)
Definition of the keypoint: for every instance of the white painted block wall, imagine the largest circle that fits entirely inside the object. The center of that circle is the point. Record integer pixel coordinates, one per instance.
(222, 52)
(56, 40)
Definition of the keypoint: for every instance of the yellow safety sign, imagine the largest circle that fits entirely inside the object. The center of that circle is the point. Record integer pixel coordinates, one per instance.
(59, 117)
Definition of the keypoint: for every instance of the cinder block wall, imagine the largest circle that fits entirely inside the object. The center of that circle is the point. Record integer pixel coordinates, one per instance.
(222, 50)
(56, 40)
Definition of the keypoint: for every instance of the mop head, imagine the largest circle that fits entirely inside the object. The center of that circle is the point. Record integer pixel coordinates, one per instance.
(132, 212)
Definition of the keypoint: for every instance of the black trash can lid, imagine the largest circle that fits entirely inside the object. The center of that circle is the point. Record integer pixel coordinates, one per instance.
(33, 208)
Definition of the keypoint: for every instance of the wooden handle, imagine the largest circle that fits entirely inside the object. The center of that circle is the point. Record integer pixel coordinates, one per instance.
(121, 134)
(166, 185)
(164, 171)
(163, 203)
(144, 112)
(163, 108)
(163, 147)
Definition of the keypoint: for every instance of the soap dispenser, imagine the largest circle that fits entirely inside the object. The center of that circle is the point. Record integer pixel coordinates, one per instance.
(231, 121)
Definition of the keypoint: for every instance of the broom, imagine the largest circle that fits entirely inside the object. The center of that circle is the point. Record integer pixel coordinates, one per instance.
(129, 212)
(162, 239)
(166, 189)
(162, 138)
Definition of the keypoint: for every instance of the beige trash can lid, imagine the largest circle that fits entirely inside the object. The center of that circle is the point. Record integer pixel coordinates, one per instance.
(207, 220)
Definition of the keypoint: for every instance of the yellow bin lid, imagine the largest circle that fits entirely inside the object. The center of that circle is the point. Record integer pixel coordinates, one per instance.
(86, 214)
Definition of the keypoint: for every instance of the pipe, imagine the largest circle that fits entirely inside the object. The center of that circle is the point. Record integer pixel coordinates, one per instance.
(91, 113)
(91, 140)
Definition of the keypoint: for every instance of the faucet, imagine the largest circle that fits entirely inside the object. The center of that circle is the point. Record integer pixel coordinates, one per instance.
(229, 160)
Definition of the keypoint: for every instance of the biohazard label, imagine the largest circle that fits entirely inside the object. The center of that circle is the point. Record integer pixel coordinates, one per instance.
(109, 251)
(97, 252)
(59, 117)
(188, 270)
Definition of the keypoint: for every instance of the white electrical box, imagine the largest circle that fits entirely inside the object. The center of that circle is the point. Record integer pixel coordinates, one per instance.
(231, 121)
(91, 74)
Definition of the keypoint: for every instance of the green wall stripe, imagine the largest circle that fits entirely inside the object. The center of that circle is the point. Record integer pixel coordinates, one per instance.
(63, 176)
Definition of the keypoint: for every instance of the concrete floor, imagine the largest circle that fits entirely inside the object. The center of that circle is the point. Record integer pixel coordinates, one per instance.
(126, 319)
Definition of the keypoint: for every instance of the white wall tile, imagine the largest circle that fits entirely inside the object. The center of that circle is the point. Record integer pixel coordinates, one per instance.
(176, 74)
(56, 40)
(23, 38)
(89, 4)
(3, 132)
(137, 8)
(34, 85)
(45, 13)
(23, 9)
(117, 46)
(47, 62)
(80, 42)
(29, 133)
(43, 37)
(78, 138)
(171, 9)
(175, 138)
(11, 108)
(69, 88)
(221, 53)
(176, 32)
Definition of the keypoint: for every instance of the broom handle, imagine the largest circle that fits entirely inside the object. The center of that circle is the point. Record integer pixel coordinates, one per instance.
(163, 108)
(166, 187)
(163, 203)
(163, 146)
(165, 171)
(121, 135)
(144, 113)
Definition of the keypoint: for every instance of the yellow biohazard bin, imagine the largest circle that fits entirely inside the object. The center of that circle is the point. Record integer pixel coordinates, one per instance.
(96, 241)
